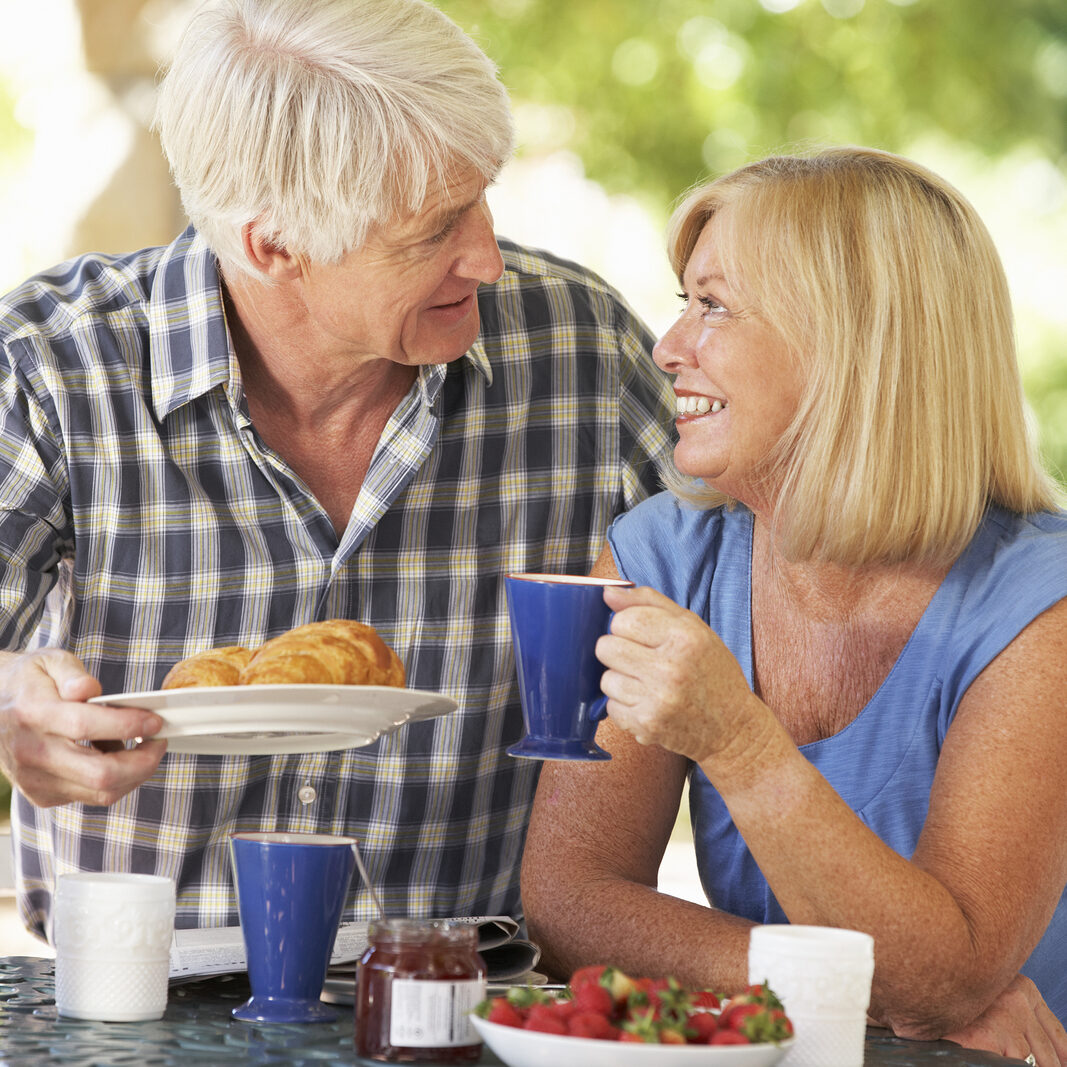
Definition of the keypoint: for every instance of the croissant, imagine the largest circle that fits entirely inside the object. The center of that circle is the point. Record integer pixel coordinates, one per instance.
(216, 666)
(336, 652)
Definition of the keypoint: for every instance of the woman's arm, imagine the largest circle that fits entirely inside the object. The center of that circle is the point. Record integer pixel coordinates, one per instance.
(596, 839)
(953, 924)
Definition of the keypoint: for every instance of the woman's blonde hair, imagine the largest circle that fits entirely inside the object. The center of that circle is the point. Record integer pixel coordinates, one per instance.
(885, 284)
(322, 118)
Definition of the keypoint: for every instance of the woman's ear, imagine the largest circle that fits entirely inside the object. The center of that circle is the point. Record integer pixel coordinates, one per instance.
(266, 256)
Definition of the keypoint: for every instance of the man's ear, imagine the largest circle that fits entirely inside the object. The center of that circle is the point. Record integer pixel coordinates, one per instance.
(267, 257)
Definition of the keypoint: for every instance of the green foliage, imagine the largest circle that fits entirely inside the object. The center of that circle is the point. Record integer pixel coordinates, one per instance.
(660, 93)
(1046, 387)
(654, 95)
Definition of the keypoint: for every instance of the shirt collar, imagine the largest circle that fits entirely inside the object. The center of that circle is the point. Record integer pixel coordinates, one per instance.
(432, 375)
(190, 347)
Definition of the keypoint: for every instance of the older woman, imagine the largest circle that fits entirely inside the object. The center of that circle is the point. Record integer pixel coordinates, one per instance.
(849, 631)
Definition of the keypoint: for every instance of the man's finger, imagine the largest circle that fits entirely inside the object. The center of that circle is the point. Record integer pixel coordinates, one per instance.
(101, 722)
(83, 774)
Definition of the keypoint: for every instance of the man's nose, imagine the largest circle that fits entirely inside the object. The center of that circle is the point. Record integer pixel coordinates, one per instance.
(479, 256)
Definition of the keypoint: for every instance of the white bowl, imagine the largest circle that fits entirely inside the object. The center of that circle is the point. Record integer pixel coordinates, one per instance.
(530, 1048)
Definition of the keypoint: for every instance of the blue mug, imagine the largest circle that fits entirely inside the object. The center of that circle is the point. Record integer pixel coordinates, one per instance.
(291, 890)
(555, 622)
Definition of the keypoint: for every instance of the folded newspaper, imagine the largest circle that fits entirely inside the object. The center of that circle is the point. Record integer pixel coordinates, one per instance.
(221, 950)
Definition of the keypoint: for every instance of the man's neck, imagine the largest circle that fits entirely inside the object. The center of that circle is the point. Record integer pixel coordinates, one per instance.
(290, 369)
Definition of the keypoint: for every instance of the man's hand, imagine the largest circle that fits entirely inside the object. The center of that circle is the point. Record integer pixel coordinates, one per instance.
(1018, 1024)
(44, 722)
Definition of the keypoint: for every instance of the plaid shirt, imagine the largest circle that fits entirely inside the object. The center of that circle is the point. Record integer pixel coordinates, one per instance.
(144, 520)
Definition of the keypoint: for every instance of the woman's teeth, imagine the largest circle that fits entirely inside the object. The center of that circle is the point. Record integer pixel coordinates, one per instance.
(698, 405)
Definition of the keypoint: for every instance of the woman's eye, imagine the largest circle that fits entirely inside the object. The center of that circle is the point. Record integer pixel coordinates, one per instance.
(709, 305)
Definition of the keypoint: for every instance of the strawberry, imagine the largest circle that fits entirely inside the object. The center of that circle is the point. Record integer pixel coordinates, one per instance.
(524, 997)
(592, 1024)
(594, 998)
(604, 1003)
(640, 1026)
(762, 994)
(586, 976)
(706, 999)
(755, 1021)
(728, 1037)
(671, 1035)
(784, 1023)
(545, 1019)
(701, 1027)
(619, 984)
(653, 1032)
(659, 998)
(563, 1007)
(616, 982)
(736, 1010)
(649, 986)
(501, 1011)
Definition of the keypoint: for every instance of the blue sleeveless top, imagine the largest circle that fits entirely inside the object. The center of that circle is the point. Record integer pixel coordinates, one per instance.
(882, 764)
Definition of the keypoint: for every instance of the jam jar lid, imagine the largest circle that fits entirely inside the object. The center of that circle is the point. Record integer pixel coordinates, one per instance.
(421, 931)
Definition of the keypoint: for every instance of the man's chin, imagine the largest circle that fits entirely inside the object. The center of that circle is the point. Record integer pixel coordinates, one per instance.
(447, 349)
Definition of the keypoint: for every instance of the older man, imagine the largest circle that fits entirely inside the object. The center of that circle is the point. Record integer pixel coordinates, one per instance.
(335, 395)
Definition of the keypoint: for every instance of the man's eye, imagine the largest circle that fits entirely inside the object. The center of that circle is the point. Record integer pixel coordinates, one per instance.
(443, 234)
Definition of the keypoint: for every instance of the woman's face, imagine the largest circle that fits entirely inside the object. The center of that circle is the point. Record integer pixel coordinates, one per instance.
(736, 382)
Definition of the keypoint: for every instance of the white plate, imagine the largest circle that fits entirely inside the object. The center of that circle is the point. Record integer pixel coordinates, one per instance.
(529, 1048)
(262, 720)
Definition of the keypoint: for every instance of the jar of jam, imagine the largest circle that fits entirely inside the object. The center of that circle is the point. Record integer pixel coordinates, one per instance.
(416, 984)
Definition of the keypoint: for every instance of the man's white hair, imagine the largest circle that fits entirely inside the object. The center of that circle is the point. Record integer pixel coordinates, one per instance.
(318, 119)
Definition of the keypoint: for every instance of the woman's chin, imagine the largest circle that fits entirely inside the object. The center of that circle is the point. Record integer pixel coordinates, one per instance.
(697, 468)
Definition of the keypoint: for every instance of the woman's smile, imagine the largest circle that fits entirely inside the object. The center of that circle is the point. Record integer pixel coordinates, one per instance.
(692, 405)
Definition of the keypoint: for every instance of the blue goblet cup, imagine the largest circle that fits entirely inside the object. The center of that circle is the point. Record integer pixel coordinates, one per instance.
(556, 620)
(291, 890)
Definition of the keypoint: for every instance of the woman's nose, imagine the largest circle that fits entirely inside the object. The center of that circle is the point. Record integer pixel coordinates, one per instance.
(675, 347)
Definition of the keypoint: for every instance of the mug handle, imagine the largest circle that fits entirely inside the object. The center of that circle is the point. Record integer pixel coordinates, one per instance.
(598, 709)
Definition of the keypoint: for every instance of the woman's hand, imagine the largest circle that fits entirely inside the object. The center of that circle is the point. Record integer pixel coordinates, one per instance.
(671, 681)
(1018, 1024)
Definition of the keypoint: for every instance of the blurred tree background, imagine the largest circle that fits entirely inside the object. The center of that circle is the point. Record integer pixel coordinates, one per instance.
(654, 95)
(649, 95)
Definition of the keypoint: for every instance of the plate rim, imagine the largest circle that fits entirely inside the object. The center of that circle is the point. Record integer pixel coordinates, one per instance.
(279, 687)
(323, 729)
(671, 1050)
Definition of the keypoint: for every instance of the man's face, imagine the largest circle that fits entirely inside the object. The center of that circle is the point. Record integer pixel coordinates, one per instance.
(409, 293)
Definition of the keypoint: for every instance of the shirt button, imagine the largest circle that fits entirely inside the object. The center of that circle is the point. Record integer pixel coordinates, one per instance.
(306, 794)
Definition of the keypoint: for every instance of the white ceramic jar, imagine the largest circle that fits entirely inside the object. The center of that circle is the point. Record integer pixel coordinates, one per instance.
(112, 935)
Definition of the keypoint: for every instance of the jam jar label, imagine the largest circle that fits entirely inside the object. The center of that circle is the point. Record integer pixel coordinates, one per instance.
(433, 1014)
